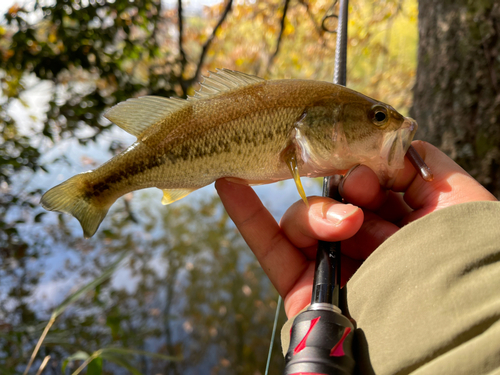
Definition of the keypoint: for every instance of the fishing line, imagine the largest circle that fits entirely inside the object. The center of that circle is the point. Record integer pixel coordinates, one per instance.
(278, 309)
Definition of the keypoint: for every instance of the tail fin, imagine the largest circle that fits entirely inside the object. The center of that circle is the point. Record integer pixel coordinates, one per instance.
(70, 197)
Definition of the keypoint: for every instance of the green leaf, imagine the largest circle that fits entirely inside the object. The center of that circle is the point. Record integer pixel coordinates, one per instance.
(95, 367)
(113, 321)
(78, 356)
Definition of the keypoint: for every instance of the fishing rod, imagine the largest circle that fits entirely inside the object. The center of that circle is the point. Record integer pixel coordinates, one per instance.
(321, 337)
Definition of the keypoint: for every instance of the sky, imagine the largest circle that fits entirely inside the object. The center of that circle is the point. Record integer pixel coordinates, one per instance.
(6, 4)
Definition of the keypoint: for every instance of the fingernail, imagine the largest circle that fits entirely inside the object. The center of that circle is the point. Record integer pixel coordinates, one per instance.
(339, 212)
(341, 185)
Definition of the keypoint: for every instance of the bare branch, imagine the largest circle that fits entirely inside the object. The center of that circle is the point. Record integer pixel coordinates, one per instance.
(181, 29)
(208, 42)
(183, 59)
(282, 28)
(311, 17)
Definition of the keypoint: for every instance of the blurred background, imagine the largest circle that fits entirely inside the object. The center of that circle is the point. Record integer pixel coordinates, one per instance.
(188, 287)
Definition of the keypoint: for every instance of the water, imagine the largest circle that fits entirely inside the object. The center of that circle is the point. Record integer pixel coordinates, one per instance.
(191, 287)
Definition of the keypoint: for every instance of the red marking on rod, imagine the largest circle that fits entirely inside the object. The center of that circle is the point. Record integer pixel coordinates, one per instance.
(338, 349)
(302, 343)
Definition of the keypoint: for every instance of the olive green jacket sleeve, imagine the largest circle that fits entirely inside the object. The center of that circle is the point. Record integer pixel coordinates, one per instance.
(427, 301)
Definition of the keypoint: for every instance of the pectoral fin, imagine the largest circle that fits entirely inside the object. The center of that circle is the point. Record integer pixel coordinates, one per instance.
(291, 162)
(172, 195)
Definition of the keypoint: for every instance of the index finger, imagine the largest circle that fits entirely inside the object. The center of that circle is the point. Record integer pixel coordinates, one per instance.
(282, 262)
(284, 251)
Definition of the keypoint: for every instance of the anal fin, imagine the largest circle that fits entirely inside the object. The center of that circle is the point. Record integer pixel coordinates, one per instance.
(172, 195)
(291, 162)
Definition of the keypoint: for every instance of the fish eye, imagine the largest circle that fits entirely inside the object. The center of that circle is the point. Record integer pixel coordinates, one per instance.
(378, 115)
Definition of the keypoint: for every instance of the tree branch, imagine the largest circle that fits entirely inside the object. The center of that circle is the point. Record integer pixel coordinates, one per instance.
(186, 83)
(181, 32)
(183, 59)
(278, 42)
(311, 17)
(208, 42)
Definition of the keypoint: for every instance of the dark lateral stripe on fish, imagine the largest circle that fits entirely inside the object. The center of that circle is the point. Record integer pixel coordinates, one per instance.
(238, 126)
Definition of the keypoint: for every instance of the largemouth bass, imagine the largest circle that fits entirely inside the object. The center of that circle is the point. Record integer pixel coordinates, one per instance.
(241, 127)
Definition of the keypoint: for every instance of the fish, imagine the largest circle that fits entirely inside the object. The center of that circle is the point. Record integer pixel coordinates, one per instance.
(243, 128)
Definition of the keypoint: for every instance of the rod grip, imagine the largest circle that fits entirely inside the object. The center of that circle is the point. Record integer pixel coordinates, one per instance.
(320, 344)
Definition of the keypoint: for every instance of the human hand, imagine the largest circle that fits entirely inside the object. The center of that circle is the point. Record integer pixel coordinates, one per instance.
(287, 251)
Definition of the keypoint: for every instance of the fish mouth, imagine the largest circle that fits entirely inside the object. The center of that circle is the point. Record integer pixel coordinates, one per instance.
(394, 147)
(396, 143)
(408, 130)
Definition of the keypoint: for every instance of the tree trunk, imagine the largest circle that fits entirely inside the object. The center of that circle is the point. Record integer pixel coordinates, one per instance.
(457, 91)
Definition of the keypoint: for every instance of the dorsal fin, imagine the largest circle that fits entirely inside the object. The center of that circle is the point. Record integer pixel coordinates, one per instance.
(136, 115)
(223, 80)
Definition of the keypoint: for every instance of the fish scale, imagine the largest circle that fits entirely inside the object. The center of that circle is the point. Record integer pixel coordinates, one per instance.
(240, 127)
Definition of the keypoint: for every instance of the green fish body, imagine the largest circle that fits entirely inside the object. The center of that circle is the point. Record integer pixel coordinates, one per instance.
(241, 127)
